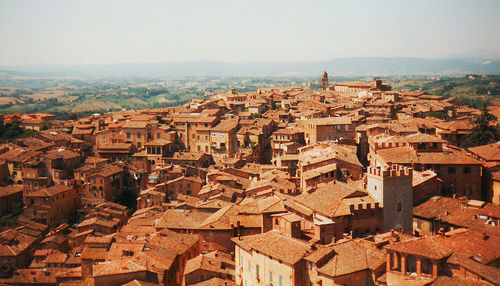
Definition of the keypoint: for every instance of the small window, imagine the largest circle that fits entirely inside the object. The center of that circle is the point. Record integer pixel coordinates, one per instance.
(451, 170)
(398, 207)
(467, 170)
(139, 134)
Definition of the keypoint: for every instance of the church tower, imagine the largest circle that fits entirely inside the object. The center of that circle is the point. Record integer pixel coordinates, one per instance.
(324, 81)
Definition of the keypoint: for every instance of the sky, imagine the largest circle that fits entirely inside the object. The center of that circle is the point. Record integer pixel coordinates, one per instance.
(72, 32)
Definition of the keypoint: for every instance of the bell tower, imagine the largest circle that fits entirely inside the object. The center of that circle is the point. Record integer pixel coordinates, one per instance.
(324, 81)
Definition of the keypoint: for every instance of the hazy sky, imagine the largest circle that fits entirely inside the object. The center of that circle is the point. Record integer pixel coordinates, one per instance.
(102, 32)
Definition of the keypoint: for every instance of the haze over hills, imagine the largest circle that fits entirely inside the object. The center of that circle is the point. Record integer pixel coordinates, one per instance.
(474, 62)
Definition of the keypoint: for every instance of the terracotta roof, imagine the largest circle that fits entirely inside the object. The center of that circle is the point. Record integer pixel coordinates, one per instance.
(61, 153)
(116, 267)
(355, 83)
(141, 117)
(56, 257)
(330, 120)
(216, 282)
(108, 170)
(386, 138)
(453, 281)
(158, 142)
(350, 257)
(98, 239)
(182, 219)
(422, 246)
(453, 126)
(421, 177)
(272, 243)
(488, 273)
(267, 205)
(490, 152)
(221, 219)
(226, 126)
(136, 282)
(321, 152)
(333, 199)
(135, 124)
(43, 276)
(11, 189)
(49, 192)
(215, 261)
(319, 171)
(98, 221)
(423, 138)
(115, 146)
(188, 156)
(459, 213)
(94, 253)
(470, 243)
(407, 155)
(289, 131)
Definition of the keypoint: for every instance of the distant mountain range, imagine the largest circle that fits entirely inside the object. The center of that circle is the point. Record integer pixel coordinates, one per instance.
(376, 66)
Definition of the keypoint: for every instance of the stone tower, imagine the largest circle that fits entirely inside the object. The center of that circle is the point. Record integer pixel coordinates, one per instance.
(324, 81)
(392, 187)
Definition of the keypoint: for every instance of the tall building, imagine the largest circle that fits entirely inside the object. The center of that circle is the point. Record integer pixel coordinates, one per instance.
(392, 187)
(324, 81)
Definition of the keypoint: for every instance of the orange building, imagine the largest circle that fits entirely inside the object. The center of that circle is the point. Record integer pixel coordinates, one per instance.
(52, 206)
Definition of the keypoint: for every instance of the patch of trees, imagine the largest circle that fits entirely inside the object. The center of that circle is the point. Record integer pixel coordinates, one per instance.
(10, 132)
(482, 133)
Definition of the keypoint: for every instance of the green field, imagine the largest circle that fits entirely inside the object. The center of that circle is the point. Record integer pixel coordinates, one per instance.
(82, 97)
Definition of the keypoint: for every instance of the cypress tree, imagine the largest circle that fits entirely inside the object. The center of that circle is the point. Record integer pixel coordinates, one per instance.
(482, 133)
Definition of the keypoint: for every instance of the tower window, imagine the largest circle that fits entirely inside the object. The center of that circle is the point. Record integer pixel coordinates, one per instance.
(398, 208)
